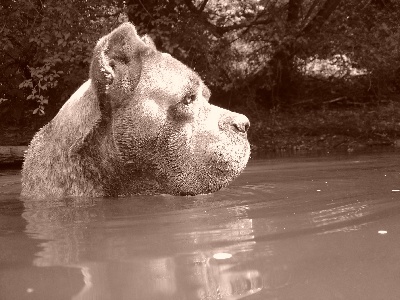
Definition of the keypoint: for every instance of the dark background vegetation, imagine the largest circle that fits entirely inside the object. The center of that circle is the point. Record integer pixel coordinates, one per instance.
(310, 74)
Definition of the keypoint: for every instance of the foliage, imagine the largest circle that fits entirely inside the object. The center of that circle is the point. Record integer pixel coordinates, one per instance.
(46, 47)
(330, 128)
(250, 52)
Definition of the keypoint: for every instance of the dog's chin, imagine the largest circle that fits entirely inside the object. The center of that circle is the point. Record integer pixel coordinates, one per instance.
(206, 187)
(211, 178)
(209, 188)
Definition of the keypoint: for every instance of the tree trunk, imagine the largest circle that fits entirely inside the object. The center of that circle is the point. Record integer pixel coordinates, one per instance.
(281, 65)
(322, 15)
(282, 62)
(293, 15)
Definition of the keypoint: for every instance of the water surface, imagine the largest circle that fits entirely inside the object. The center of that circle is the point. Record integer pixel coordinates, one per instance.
(291, 228)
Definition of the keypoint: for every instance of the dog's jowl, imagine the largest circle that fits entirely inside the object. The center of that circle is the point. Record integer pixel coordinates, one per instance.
(141, 124)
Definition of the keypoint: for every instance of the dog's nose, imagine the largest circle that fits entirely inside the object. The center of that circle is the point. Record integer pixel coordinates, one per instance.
(241, 123)
(232, 121)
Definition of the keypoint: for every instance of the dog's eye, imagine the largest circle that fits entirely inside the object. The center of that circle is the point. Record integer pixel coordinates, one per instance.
(189, 99)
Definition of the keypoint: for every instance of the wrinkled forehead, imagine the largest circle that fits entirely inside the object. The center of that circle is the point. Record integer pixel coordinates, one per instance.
(166, 73)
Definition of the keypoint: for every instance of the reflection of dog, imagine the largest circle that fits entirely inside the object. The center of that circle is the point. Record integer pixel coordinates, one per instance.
(141, 124)
(118, 253)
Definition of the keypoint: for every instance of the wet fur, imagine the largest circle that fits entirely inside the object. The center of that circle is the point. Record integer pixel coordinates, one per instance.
(129, 130)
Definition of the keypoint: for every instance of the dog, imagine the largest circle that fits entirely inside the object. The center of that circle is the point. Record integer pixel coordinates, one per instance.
(141, 124)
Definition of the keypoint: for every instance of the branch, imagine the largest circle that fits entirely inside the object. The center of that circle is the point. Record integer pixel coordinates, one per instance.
(310, 10)
(322, 15)
(191, 6)
(221, 30)
(202, 6)
(94, 13)
(293, 14)
(224, 29)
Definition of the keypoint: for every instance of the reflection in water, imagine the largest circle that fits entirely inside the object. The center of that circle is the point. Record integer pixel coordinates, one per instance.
(61, 226)
(98, 238)
(340, 214)
(288, 229)
(219, 282)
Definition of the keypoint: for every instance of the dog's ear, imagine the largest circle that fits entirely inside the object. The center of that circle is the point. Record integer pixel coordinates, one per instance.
(149, 41)
(117, 58)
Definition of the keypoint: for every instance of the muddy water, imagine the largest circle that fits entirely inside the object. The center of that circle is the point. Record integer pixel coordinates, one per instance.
(296, 228)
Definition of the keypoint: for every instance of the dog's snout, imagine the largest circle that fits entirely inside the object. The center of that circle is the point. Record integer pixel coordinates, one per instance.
(241, 123)
(231, 121)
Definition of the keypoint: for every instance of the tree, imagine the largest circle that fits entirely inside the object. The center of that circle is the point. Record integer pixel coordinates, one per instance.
(46, 47)
(255, 48)
(266, 39)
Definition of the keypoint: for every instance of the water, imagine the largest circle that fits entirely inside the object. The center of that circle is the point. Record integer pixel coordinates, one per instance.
(291, 228)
